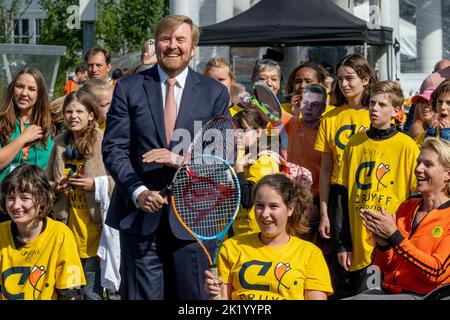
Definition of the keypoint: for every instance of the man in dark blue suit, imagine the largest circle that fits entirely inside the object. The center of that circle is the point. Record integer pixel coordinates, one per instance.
(149, 112)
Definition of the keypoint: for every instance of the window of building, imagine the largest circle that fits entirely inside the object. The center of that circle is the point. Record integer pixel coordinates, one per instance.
(21, 31)
(39, 23)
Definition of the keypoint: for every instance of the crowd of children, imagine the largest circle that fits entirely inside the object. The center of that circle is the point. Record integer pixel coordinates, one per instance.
(291, 239)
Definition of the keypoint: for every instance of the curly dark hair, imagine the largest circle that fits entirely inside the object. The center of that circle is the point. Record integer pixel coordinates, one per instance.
(29, 178)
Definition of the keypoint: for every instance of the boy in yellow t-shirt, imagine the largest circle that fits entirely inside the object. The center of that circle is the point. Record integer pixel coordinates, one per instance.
(38, 256)
(377, 172)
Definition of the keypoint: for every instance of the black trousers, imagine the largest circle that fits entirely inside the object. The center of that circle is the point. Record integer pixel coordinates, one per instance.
(345, 283)
(161, 266)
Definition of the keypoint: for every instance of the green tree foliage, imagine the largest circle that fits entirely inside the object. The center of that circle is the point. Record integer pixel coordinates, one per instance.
(125, 24)
(122, 26)
(55, 31)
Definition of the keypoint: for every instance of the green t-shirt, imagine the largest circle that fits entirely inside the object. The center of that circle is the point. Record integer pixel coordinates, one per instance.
(36, 155)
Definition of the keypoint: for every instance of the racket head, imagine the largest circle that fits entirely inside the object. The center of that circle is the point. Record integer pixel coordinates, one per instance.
(206, 199)
(269, 101)
(217, 137)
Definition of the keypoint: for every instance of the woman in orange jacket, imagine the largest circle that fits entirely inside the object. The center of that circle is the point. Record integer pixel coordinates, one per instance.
(413, 246)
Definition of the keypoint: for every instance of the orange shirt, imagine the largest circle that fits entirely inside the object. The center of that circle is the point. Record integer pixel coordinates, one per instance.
(420, 262)
(300, 147)
(70, 86)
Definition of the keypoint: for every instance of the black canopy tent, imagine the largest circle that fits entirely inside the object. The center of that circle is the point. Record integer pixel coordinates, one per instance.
(275, 23)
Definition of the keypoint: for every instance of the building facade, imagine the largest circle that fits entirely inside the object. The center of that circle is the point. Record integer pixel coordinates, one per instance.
(421, 28)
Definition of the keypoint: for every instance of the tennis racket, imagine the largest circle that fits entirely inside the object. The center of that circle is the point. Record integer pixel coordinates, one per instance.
(266, 101)
(206, 198)
(217, 137)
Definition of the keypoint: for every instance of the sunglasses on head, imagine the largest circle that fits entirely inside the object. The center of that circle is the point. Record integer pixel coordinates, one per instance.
(269, 62)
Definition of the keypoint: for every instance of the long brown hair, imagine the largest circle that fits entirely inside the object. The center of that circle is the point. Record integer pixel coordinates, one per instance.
(363, 70)
(40, 115)
(294, 196)
(85, 144)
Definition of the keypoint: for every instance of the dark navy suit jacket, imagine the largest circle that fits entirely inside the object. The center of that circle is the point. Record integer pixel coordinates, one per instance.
(134, 126)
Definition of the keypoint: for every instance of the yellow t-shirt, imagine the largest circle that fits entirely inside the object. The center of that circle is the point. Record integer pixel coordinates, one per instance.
(286, 107)
(377, 174)
(336, 128)
(86, 232)
(328, 108)
(259, 272)
(35, 270)
(234, 109)
(420, 138)
(245, 221)
(102, 125)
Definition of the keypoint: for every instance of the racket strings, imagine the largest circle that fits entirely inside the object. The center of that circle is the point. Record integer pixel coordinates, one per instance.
(218, 138)
(266, 97)
(207, 201)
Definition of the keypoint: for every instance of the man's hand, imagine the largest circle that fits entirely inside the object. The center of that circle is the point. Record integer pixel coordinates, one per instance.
(150, 201)
(163, 156)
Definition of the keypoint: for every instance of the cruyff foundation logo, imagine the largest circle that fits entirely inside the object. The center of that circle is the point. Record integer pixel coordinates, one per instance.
(362, 129)
(344, 133)
(286, 276)
(382, 170)
(14, 288)
(36, 273)
(363, 175)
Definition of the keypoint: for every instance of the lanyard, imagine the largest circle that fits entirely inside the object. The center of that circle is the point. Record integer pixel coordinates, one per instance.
(26, 147)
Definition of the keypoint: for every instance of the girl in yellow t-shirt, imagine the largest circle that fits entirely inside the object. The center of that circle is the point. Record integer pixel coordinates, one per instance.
(251, 165)
(273, 264)
(38, 256)
(351, 97)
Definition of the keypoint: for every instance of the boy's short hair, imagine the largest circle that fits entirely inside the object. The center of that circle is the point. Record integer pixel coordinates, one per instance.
(94, 51)
(392, 88)
(317, 88)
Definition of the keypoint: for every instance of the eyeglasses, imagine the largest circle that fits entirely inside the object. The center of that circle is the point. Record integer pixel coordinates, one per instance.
(269, 62)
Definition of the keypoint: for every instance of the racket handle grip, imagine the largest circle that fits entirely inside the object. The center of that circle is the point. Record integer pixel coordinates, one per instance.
(213, 270)
(165, 192)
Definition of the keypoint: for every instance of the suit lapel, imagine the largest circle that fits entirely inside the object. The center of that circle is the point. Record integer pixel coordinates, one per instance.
(188, 100)
(152, 87)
